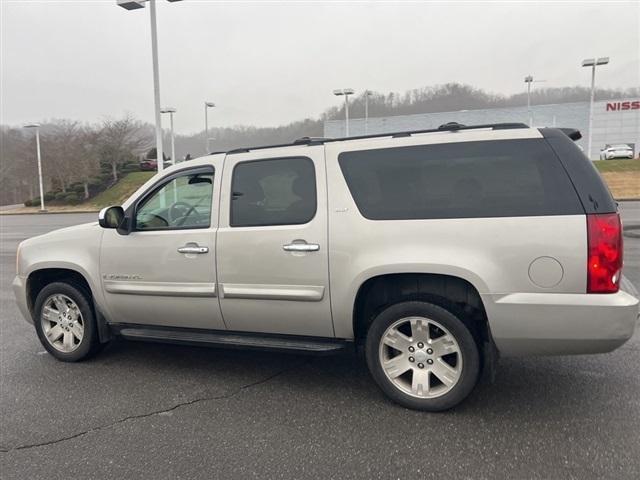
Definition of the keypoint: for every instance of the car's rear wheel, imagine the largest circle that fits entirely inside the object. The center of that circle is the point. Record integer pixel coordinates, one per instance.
(65, 321)
(422, 356)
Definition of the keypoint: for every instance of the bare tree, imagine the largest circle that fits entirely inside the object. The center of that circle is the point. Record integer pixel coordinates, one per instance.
(18, 170)
(88, 157)
(62, 142)
(120, 140)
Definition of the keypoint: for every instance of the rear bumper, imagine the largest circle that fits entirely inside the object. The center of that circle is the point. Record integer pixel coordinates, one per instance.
(560, 324)
(19, 286)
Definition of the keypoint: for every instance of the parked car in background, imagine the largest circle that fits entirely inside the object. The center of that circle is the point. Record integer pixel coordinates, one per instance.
(616, 151)
(148, 165)
(435, 251)
(152, 164)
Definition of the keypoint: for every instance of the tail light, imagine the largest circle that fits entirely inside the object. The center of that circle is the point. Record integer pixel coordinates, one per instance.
(604, 239)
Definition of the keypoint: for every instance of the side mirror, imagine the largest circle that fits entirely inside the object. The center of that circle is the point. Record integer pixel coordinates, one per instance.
(111, 217)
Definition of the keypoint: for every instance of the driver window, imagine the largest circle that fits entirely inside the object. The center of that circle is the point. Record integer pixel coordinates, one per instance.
(183, 202)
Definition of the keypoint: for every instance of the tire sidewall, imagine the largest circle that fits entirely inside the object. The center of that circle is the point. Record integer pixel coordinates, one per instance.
(81, 298)
(466, 342)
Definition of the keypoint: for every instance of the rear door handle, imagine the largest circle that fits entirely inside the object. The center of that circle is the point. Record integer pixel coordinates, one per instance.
(193, 248)
(301, 247)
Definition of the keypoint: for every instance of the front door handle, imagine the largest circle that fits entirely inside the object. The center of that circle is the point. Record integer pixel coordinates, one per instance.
(301, 247)
(193, 248)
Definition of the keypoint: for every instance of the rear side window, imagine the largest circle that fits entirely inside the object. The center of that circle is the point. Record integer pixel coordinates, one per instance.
(273, 192)
(502, 178)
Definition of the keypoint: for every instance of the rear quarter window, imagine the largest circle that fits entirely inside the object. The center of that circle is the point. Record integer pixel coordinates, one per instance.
(501, 178)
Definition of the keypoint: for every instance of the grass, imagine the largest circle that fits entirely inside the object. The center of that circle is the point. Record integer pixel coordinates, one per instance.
(617, 165)
(622, 176)
(117, 194)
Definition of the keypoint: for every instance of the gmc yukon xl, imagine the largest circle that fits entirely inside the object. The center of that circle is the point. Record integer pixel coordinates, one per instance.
(435, 251)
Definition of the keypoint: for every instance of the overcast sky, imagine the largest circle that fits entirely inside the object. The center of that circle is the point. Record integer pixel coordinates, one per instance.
(272, 63)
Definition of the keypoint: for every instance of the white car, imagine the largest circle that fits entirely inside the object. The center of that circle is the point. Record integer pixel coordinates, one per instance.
(616, 151)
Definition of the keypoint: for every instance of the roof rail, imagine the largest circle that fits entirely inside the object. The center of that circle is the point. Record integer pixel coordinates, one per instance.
(447, 127)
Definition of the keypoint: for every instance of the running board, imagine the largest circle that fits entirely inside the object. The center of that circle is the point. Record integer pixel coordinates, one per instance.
(290, 343)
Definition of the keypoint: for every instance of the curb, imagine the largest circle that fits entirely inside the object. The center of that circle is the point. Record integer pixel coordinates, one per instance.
(50, 212)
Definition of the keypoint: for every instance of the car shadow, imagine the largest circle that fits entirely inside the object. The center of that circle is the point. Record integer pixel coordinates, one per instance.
(562, 386)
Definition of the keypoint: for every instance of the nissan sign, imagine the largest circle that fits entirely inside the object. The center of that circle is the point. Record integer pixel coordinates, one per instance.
(618, 106)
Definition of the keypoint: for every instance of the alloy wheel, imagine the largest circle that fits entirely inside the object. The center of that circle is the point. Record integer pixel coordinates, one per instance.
(420, 357)
(62, 323)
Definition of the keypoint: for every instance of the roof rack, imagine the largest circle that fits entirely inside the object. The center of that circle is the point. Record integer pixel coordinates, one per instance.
(447, 127)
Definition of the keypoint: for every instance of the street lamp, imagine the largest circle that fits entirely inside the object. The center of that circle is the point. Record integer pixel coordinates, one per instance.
(529, 80)
(37, 127)
(367, 94)
(346, 92)
(592, 62)
(207, 106)
(171, 111)
(134, 5)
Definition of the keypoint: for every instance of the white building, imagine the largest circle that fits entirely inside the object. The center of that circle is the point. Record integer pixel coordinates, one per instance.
(614, 121)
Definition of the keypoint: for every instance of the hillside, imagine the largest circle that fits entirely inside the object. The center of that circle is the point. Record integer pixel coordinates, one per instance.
(118, 193)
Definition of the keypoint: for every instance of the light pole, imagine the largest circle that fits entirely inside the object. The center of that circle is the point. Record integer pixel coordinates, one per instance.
(528, 80)
(207, 106)
(37, 127)
(346, 92)
(133, 5)
(592, 62)
(367, 94)
(171, 111)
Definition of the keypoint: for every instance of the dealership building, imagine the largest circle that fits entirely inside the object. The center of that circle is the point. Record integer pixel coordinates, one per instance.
(614, 121)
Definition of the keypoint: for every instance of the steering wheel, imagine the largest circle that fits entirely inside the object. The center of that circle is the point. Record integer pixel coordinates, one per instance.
(180, 210)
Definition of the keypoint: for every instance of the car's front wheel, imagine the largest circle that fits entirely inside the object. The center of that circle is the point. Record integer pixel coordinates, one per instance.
(422, 356)
(65, 321)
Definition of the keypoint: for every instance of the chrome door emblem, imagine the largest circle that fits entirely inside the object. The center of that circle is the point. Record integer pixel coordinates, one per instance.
(118, 276)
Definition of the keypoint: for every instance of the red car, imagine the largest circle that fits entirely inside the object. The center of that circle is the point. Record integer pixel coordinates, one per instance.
(152, 164)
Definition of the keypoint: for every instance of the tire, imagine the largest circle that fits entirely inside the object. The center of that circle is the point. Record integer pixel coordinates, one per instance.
(435, 379)
(50, 303)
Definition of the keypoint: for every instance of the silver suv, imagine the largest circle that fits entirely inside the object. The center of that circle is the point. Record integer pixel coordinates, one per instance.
(436, 251)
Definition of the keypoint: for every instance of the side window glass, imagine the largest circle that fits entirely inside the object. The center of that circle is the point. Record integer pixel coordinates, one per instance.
(183, 202)
(499, 178)
(273, 192)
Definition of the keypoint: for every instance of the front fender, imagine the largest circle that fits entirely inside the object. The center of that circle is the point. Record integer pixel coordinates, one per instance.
(75, 249)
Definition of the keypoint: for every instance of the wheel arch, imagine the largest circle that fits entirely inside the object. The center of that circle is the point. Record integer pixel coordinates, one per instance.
(41, 276)
(453, 293)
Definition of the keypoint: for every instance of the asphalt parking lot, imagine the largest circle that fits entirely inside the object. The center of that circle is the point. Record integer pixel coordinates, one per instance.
(158, 411)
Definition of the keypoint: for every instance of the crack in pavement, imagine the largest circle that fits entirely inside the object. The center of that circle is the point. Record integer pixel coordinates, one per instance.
(155, 412)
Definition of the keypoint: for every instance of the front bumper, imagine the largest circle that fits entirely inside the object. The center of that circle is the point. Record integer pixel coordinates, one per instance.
(561, 324)
(20, 291)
